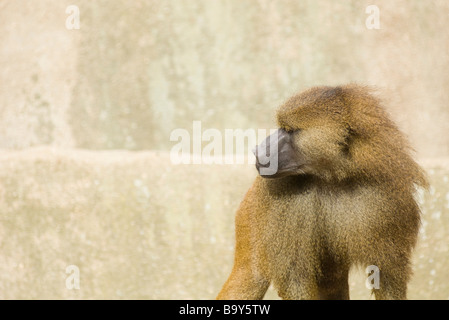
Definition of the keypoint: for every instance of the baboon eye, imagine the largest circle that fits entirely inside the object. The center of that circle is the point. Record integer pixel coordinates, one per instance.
(290, 129)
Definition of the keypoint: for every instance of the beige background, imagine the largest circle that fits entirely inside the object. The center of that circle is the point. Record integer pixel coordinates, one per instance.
(138, 226)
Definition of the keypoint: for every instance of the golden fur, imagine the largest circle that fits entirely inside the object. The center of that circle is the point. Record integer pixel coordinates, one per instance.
(351, 204)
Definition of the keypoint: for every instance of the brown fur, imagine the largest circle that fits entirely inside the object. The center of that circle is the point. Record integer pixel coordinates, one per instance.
(352, 204)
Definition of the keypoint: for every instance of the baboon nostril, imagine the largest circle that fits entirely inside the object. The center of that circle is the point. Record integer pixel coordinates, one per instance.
(262, 165)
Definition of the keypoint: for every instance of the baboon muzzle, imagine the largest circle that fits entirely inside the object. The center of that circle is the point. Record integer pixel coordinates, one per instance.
(275, 156)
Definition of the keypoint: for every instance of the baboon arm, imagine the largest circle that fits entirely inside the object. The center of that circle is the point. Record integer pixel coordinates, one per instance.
(246, 280)
(243, 285)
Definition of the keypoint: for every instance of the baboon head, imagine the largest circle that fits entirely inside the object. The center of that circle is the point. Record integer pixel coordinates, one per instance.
(336, 133)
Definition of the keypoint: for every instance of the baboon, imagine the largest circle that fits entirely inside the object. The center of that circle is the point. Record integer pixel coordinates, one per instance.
(342, 195)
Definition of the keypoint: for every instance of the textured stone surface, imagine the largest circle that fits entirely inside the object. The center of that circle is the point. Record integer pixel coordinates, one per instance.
(138, 227)
(136, 70)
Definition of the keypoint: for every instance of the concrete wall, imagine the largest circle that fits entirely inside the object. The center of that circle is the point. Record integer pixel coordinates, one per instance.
(138, 226)
(135, 71)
